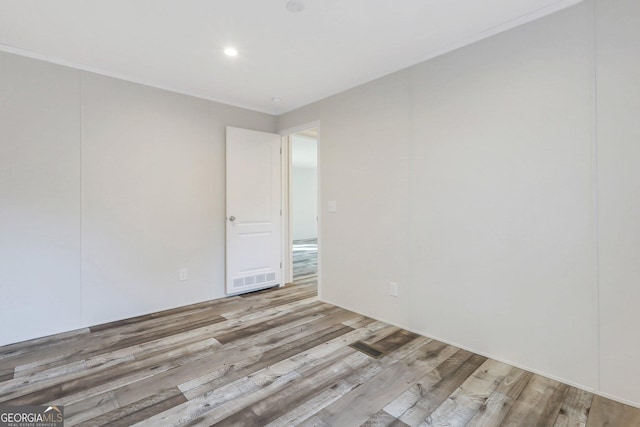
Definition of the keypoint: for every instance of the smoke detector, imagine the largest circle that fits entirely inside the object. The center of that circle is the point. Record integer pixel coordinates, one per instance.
(295, 6)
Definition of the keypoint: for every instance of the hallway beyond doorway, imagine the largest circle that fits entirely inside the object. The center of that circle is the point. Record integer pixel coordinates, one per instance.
(305, 261)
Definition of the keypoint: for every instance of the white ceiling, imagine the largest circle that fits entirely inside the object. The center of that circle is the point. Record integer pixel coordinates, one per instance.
(301, 57)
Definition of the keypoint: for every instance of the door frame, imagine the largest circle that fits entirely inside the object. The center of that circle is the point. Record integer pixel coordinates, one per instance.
(287, 224)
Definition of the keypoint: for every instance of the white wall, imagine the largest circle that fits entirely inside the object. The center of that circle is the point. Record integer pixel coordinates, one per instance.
(111, 181)
(618, 65)
(502, 218)
(364, 139)
(472, 180)
(304, 187)
(39, 199)
(477, 181)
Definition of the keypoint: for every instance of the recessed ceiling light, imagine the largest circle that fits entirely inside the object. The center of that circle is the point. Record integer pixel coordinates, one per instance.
(295, 6)
(276, 100)
(230, 51)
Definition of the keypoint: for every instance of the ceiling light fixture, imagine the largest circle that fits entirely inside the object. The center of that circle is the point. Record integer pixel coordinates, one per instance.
(295, 6)
(230, 51)
(276, 100)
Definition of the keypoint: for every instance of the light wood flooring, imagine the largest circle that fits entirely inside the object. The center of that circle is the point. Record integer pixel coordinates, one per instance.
(281, 358)
(305, 261)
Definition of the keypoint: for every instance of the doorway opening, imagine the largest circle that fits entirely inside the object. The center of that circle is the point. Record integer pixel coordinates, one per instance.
(303, 206)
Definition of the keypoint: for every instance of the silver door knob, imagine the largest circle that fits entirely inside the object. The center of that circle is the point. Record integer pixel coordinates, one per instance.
(232, 218)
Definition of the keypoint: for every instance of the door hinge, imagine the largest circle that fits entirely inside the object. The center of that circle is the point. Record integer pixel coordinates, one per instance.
(281, 265)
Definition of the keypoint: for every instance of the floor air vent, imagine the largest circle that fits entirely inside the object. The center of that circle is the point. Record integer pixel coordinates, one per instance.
(367, 349)
(254, 280)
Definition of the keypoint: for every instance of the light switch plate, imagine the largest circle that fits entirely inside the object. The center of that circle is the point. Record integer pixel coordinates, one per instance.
(332, 206)
(393, 289)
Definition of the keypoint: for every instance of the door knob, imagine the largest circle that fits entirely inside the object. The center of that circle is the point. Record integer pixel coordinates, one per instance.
(232, 218)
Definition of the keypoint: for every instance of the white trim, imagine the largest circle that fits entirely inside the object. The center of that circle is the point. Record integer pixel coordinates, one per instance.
(288, 262)
(82, 67)
(287, 265)
(319, 204)
(488, 355)
(617, 399)
(595, 182)
(300, 128)
(83, 308)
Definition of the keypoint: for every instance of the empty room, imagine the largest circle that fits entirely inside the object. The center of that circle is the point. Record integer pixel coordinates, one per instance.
(320, 213)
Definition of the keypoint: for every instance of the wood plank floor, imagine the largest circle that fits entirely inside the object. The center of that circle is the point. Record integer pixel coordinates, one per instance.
(281, 358)
(305, 261)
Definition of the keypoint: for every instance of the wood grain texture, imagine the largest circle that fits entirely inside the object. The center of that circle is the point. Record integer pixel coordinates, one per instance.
(279, 357)
(607, 413)
(538, 404)
(497, 406)
(6, 374)
(305, 261)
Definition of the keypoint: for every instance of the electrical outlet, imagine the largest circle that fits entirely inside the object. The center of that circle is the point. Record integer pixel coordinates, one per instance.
(393, 289)
(184, 274)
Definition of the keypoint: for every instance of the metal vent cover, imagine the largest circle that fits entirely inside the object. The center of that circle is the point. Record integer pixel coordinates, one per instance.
(254, 279)
(367, 349)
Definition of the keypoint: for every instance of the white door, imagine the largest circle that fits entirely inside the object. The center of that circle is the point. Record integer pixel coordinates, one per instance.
(254, 225)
